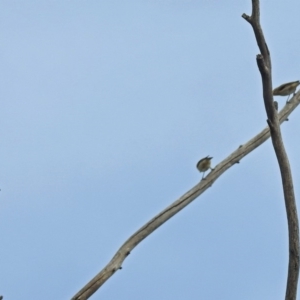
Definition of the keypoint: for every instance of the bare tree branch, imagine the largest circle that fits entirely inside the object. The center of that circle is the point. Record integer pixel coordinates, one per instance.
(264, 65)
(116, 262)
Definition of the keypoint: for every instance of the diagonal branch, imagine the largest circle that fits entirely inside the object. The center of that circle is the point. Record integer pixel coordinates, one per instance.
(115, 264)
(264, 66)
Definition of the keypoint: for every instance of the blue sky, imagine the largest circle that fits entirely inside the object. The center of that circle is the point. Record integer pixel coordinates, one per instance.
(106, 107)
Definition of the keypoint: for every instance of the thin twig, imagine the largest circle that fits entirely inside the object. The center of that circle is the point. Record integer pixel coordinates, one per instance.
(264, 66)
(116, 262)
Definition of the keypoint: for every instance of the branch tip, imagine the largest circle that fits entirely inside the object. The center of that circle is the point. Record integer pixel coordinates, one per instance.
(247, 18)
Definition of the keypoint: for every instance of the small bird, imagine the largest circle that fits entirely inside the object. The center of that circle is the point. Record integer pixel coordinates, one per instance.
(204, 164)
(286, 89)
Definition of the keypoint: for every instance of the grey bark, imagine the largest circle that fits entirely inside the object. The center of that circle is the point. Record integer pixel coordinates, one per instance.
(265, 68)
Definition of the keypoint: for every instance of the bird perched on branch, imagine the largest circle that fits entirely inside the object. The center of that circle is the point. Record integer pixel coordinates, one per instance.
(204, 164)
(286, 89)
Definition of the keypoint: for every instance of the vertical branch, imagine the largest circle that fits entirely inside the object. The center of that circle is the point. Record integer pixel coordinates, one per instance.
(265, 68)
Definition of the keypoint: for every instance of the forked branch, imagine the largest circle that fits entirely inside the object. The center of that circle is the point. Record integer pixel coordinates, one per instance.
(265, 68)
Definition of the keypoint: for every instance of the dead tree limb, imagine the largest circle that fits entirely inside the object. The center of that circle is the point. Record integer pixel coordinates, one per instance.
(265, 68)
(116, 262)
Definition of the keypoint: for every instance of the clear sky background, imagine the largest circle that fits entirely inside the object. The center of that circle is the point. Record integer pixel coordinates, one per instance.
(106, 107)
